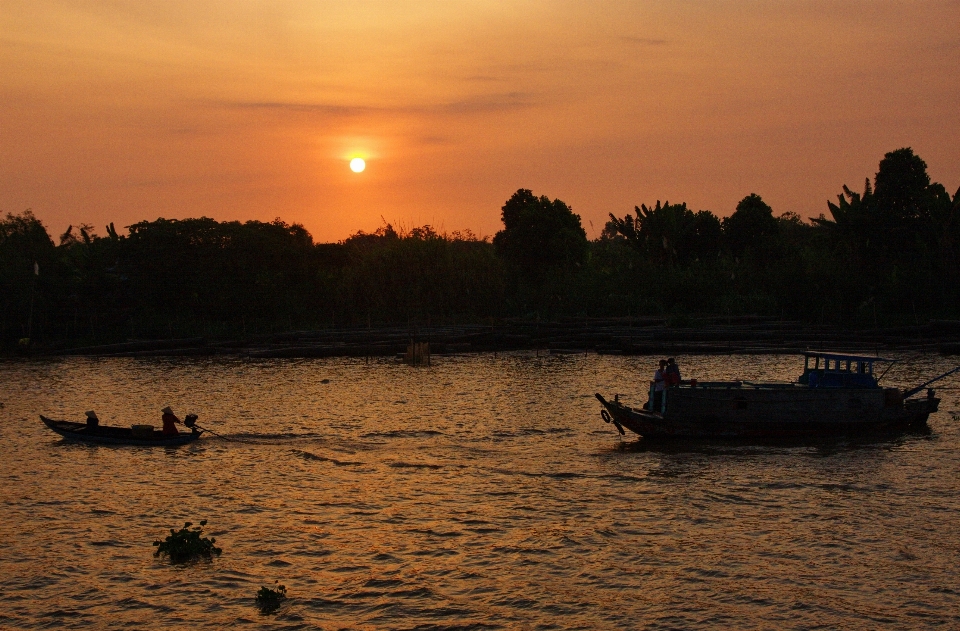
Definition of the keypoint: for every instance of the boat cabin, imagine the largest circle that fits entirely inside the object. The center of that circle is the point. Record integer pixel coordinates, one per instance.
(831, 370)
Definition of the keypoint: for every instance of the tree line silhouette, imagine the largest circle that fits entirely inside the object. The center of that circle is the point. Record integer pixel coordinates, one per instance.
(888, 255)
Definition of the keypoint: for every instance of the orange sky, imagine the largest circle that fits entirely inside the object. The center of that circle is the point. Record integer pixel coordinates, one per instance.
(123, 111)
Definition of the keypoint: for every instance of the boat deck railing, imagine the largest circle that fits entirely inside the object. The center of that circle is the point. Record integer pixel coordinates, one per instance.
(717, 385)
(710, 384)
(774, 384)
(738, 384)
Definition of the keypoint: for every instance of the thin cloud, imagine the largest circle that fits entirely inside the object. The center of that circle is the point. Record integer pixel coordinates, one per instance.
(644, 41)
(488, 103)
(435, 140)
(474, 105)
(290, 106)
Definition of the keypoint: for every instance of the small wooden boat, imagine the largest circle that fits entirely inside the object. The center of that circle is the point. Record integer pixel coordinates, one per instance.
(117, 435)
(836, 395)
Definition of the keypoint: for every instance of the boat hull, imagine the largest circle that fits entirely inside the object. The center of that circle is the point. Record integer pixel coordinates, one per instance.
(774, 413)
(115, 435)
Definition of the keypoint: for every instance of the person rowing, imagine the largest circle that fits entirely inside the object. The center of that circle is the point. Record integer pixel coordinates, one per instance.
(170, 421)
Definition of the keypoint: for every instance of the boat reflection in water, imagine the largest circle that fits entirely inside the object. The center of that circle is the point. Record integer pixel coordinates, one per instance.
(837, 395)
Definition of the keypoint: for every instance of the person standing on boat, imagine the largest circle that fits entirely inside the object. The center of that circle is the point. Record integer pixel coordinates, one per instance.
(170, 421)
(659, 384)
(672, 375)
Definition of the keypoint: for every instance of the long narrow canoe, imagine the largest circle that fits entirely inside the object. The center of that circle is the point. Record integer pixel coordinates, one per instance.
(116, 435)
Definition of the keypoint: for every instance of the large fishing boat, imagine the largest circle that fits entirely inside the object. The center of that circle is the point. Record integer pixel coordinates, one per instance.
(837, 394)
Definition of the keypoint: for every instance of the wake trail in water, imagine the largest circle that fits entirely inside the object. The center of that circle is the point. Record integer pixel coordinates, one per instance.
(264, 439)
(306, 455)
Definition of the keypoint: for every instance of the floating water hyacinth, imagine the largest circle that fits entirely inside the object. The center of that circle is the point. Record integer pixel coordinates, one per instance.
(269, 600)
(186, 544)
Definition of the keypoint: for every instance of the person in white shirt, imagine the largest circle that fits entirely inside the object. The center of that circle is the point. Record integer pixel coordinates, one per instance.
(659, 385)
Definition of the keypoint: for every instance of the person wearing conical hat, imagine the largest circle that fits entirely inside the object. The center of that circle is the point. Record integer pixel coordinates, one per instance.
(169, 422)
(92, 421)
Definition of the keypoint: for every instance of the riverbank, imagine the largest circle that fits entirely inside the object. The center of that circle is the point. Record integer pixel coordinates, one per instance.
(613, 336)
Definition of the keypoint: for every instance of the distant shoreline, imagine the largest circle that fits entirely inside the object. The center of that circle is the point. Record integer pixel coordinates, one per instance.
(608, 336)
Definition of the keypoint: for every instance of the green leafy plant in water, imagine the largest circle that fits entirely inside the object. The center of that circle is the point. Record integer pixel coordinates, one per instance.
(268, 600)
(186, 544)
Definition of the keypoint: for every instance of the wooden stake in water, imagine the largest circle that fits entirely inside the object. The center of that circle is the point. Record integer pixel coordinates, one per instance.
(418, 354)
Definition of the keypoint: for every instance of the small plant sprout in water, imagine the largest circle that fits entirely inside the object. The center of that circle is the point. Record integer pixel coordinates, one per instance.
(185, 544)
(269, 600)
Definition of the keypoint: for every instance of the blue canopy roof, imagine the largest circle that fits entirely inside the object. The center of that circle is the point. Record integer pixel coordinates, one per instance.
(844, 357)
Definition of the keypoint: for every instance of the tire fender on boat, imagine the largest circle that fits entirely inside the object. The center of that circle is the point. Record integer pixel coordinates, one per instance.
(609, 419)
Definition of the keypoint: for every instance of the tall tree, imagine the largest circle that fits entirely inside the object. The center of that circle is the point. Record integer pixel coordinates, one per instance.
(540, 234)
(750, 226)
(25, 248)
(902, 188)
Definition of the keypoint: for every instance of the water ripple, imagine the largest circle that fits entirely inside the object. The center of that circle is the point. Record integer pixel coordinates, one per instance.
(483, 492)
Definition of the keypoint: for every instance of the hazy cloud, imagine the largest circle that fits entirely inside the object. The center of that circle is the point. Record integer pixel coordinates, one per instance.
(479, 104)
(290, 106)
(644, 41)
(488, 103)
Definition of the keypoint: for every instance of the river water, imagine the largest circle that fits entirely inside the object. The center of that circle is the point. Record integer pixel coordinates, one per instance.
(483, 492)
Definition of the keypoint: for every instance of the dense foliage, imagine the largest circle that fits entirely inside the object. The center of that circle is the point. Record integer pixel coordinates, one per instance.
(543, 247)
(186, 544)
(886, 255)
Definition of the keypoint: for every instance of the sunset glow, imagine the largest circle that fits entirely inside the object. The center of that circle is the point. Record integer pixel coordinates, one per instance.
(357, 165)
(124, 112)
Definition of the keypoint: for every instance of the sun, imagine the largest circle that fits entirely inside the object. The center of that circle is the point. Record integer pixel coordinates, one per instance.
(357, 165)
